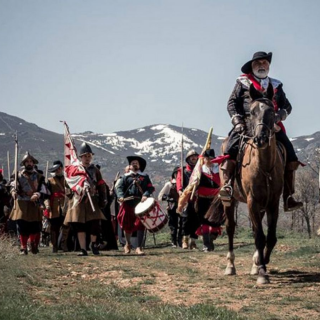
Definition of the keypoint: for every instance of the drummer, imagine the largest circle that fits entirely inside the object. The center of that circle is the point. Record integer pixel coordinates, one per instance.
(134, 187)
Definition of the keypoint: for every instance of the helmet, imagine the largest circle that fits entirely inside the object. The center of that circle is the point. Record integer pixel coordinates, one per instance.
(28, 156)
(85, 148)
(190, 153)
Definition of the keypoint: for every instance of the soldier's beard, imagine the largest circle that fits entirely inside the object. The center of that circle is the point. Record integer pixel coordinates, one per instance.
(29, 168)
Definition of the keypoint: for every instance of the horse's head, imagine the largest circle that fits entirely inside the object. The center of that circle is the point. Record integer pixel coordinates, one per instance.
(262, 115)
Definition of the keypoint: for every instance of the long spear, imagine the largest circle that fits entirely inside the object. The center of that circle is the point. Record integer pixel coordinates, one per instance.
(47, 167)
(8, 158)
(15, 165)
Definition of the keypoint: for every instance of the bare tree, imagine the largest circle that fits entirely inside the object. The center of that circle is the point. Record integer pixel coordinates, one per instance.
(308, 193)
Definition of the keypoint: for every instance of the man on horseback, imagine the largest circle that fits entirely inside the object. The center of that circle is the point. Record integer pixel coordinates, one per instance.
(256, 72)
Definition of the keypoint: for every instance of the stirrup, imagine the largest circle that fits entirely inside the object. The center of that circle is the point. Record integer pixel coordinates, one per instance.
(225, 194)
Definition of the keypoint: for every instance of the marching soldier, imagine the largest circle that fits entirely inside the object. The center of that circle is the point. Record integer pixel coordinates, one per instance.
(54, 205)
(189, 216)
(169, 193)
(26, 211)
(208, 189)
(82, 217)
(135, 186)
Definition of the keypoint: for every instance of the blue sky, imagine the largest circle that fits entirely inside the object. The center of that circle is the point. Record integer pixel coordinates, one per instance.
(107, 66)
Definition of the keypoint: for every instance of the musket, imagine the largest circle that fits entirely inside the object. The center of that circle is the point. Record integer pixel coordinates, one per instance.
(16, 166)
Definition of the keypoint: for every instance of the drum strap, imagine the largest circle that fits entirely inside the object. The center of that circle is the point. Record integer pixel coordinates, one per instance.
(138, 186)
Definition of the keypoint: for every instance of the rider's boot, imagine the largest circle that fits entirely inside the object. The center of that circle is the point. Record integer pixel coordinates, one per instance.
(226, 191)
(289, 204)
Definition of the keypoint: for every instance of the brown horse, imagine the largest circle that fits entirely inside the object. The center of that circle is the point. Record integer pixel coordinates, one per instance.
(259, 183)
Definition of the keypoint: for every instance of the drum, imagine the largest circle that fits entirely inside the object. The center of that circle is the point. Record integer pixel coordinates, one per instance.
(151, 215)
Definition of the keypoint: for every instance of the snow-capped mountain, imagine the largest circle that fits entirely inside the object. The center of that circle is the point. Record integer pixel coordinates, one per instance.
(156, 143)
(159, 144)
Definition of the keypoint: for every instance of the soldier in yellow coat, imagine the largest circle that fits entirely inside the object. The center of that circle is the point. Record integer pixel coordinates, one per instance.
(26, 211)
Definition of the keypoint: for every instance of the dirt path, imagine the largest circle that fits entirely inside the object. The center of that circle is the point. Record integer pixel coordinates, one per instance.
(187, 277)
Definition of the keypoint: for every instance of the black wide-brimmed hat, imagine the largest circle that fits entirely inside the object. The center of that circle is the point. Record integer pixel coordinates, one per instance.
(85, 148)
(56, 165)
(28, 156)
(246, 68)
(142, 162)
(209, 153)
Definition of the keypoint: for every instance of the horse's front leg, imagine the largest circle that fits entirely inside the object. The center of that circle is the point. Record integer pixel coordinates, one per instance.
(260, 241)
(272, 218)
(230, 227)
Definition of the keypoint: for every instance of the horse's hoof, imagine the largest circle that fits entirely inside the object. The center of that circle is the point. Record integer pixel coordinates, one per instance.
(230, 271)
(263, 280)
(254, 270)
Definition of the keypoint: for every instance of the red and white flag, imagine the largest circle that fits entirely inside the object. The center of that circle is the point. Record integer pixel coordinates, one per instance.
(75, 174)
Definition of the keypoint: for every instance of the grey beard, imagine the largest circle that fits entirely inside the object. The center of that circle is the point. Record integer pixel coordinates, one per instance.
(260, 75)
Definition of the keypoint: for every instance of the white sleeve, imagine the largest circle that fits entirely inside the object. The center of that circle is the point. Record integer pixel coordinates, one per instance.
(164, 190)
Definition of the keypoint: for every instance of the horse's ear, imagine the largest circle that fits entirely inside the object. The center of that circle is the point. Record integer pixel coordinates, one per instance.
(270, 92)
(254, 94)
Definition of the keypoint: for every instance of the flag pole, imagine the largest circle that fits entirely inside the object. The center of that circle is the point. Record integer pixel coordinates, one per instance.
(74, 160)
(8, 159)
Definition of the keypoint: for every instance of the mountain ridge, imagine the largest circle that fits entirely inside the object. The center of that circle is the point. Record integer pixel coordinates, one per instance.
(159, 144)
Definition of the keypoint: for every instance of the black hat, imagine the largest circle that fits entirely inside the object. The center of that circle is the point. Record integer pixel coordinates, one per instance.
(142, 162)
(28, 156)
(209, 153)
(190, 153)
(85, 148)
(175, 170)
(56, 165)
(246, 68)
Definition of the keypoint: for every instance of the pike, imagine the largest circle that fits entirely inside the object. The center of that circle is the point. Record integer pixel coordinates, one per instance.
(47, 171)
(15, 165)
(8, 159)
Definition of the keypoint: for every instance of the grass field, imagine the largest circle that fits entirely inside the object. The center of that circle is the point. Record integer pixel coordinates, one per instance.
(167, 283)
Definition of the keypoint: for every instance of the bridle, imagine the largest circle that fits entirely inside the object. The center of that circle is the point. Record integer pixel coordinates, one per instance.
(270, 131)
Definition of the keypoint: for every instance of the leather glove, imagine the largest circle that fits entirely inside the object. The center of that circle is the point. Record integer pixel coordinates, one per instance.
(240, 127)
(281, 115)
(164, 197)
(276, 128)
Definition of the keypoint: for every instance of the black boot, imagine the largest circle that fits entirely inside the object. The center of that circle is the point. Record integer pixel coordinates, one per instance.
(83, 253)
(23, 251)
(54, 241)
(289, 203)
(95, 248)
(64, 238)
(226, 191)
